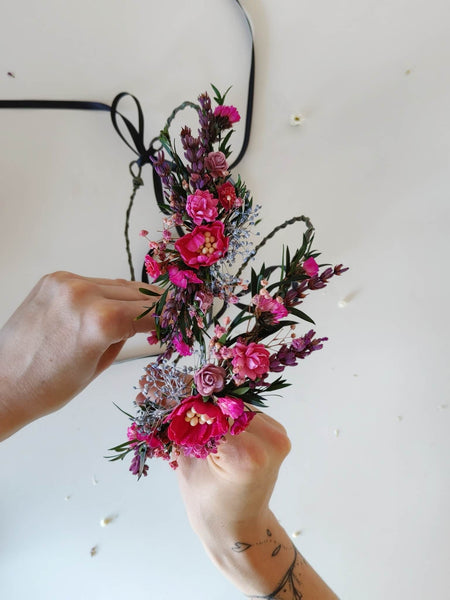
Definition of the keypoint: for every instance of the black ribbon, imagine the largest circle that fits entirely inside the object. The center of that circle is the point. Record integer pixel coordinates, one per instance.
(144, 153)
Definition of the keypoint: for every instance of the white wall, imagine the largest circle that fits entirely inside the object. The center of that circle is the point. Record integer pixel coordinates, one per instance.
(369, 166)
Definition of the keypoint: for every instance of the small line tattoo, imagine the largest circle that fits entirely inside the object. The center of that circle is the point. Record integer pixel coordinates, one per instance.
(277, 549)
(241, 547)
(289, 586)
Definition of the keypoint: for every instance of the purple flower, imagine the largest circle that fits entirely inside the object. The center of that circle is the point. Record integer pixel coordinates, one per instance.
(304, 346)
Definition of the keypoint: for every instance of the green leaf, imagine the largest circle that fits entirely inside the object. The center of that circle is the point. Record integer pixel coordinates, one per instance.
(241, 390)
(218, 97)
(254, 282)
(145, 312)
(254, 399)
(149, 292)
(301, 315)
(288, 259)
(125, 413)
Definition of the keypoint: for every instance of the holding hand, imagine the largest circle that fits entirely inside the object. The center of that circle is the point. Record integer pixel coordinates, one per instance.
(227, 501)
(67, 331)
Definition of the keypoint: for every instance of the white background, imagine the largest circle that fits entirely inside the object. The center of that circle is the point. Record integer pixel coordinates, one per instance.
(367, 482)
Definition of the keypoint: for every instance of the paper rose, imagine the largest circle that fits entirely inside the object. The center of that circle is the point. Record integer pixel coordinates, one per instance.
(209, 379)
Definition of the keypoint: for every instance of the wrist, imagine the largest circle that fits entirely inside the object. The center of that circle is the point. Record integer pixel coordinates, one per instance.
(252, 553)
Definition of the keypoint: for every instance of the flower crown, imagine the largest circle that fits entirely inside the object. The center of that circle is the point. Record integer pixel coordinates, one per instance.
(209, 219)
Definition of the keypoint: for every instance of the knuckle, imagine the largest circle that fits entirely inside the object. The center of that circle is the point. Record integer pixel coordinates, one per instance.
(107, 319)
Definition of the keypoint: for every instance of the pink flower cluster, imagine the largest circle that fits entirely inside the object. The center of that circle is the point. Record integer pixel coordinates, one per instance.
(275, 306)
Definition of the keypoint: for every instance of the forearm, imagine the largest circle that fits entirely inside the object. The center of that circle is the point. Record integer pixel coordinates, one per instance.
(261, 561)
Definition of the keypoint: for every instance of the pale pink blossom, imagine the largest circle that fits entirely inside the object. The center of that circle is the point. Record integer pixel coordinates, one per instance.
(205, 299)
(265, 303)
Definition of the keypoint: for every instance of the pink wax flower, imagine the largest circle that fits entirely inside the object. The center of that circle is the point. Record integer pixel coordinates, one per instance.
(250, 361)
(310, 267)
(135, 434)
(227, 195)
(182, 277)
(203, 246)
(152, 338)
(242, 422)
(152, 267)
(194, 422)
(205, 299)
(216, 163)
(232, 407)
(230, 113)
(181, 347)
(201, 206)
(209, 379)
(275, 306)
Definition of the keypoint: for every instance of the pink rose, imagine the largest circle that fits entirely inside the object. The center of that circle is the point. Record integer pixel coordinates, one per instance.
(227, 195)
(209, 379)
(201, 206)
(194, 422)
(229, 114)
(232, 407)
(216, 163)
(310, 267)
(250, 361)
(152, 267)
(182, 278)
(203, 246)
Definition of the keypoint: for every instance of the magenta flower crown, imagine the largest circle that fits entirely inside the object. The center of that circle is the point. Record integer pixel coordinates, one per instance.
(237, 358)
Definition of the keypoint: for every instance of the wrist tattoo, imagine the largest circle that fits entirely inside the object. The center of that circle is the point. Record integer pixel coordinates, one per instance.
(289, 585)
(268, 540)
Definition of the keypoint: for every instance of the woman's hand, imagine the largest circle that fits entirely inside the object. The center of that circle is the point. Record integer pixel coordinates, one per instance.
(67, 331)
(227, 500)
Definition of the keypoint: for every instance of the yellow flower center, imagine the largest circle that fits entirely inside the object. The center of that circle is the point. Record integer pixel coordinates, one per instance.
(194, 418)
(209, 244)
